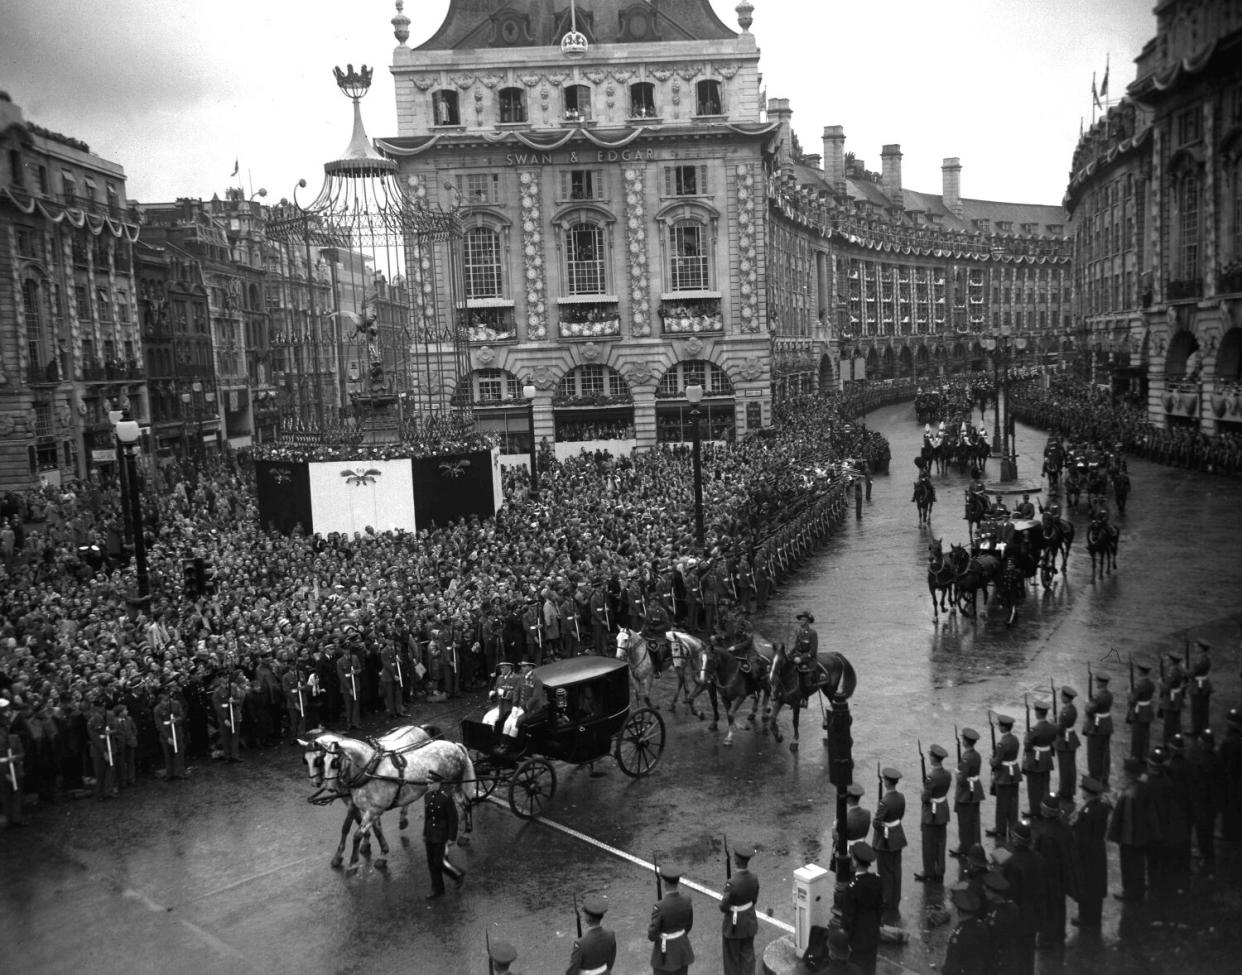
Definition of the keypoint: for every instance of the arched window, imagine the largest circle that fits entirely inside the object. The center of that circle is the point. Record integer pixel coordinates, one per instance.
(444, 109)
(584, 259)
(512, 105)
(481, 254)
(707, 98)
(577, 102)
(642, 100)
(689, 268)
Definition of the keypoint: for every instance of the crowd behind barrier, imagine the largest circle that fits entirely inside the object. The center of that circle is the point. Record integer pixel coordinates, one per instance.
(1077, 410)
(290, 632)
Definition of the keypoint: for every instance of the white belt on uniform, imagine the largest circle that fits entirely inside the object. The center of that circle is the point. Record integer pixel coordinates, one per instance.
(1200, 681)
(892, 824)
(1042, 749)
(973, 780)
(1012, 766)
(738, 908)
(1143, 704)
(1099, 718)
(667, 936)
(593, 971)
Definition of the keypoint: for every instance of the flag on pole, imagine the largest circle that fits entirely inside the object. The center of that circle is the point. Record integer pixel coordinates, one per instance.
(1104, 83)
(237, 166)
(1095, 95)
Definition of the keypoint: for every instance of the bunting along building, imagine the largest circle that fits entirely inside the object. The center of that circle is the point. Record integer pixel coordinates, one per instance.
(70, 348)
(1155, 197)
(636, 220)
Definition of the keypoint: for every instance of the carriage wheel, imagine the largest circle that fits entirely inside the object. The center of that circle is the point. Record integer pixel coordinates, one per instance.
(640, 743)
(486, 778)
(532, 787)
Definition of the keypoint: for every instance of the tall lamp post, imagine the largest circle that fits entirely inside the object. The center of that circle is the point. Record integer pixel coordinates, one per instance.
(842, 682)
(127, 530)
(127, 434)
(528, 391)
(1000, 343)
(694, 393)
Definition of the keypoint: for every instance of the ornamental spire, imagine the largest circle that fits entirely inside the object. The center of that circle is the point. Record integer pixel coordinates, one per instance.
(401, 24)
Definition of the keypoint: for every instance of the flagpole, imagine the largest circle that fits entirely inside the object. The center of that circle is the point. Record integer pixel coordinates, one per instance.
(1095, 98)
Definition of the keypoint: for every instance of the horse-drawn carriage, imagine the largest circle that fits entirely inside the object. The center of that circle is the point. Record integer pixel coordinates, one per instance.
(588, 717)
(1019, 539)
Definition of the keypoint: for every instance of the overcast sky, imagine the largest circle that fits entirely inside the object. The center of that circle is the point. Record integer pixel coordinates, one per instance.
(175, 91)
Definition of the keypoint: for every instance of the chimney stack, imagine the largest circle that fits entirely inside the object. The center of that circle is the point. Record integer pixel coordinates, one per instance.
(780, 112)
(951, 182)
(890, 174)
(834, 157)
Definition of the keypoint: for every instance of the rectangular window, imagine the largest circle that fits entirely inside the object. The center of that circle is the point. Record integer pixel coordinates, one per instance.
(122, 307)
(512, 105)
(685, 181)
(83, 302)
(105, 306)
(1188, 126)
(491, 385)
(444, 108)
(592, 380)
(479, 188)
(577, 103)
(29, 242)
(642, 100)
(584, 247)
(1189, 228)
(707, 98)
(689, 256)
(17, 168)
(482, 263)
(582, 184)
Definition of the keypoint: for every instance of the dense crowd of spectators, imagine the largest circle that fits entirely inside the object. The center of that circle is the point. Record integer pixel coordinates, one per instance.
(1077, 410)
(82, 666)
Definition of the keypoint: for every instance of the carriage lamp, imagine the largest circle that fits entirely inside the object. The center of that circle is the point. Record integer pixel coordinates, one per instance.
(694, 394)
(528, 391)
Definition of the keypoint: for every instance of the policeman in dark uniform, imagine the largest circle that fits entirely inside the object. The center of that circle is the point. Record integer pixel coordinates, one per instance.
(1097, 727)
(1037, 757)
(740, 924)
(669, 929)
(1004, 921)
(857, 819)
(969, 944)
(888, 840)
(862, 908)
(1066, 744)
(1006, 777)
(502, 955)
(596, 951)
(1090, 848)
(439, 829)
(1025, 872)
(935, 817)
(1141, 712)
(968, 797)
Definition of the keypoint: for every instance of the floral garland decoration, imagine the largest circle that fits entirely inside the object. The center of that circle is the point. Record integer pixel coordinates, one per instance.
(419, 261)
(636, 235)
(532, 252)
(747, 255)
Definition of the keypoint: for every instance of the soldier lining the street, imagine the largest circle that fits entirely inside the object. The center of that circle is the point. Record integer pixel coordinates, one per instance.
(595, 952)
(672, 918)
(1097, 728)
(740, 923)
(967, 952)
(888, 840)
(862, 908)
(1141, 712)
(1006, 778)
(935, 817)
(439, 830)
(968, 797)
(1066, 744)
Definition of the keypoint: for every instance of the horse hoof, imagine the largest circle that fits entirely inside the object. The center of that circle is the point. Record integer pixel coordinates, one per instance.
(351, 869)
(404, 824)
(336, 862)
(366, 851)
(381, 864)
(712, 726)
(464, 840)
(727, 742)
(793, 747)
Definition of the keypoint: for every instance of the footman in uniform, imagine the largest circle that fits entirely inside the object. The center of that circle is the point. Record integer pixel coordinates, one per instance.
(596, 951)
(740, 923)
(669, 929)
(439, 829)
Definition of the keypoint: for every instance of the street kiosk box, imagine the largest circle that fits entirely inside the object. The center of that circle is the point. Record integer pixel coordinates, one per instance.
(812, 895)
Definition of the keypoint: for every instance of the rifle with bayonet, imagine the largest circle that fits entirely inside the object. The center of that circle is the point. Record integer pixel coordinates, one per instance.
(655, 865)
(1026, 700)
(728, 862)
(1090, 680)
(922, 760)
(879, 784)
(1053, 687)
(958, 742)
(1130, 706)
(577, 915)
(992, 729)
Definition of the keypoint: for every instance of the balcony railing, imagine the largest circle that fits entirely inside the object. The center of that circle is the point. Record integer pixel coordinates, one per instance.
(1185, 288)
(695, 315)
(490, 325)
(111, 371)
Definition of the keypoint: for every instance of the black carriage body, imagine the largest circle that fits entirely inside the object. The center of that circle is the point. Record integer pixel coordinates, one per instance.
(588, 704)
(1019, 539)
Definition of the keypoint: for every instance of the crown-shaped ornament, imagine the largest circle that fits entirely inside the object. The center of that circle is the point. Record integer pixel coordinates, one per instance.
(353, 83)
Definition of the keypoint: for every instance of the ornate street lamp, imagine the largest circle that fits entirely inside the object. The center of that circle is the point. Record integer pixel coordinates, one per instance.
(694, 393)
(842, 681)
(127, 434)
(529, 392)
(1000, 343)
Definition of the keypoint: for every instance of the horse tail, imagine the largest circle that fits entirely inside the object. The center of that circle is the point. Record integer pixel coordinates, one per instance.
(476, 793)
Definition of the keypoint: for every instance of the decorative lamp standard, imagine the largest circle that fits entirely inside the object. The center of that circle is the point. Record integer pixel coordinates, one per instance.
(210, 397)
(1000, 343)
(694, 393)
(185, 426)
(529, 392)
(127, 529)
(127, 434)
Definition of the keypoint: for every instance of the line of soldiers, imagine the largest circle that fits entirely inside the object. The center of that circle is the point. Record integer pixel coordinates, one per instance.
(594, 951)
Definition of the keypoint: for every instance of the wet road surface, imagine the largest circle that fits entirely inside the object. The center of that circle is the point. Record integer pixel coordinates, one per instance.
(229, 872)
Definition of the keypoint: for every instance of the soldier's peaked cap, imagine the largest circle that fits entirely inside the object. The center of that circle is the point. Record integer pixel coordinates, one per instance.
(862, 852)
(745, 851)
(890, 773)
(969, 734)
(938, 751)
(1101, 678)
(670, 872)
(595, 905)
(1004, 720)
(1203, 644)
(1068, 692)
(854, 789)
(1040, 705)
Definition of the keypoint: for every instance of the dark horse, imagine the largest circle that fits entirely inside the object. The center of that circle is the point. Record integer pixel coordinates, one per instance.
(976, 511)
(974, 573)
(1058, 535)
(1102, 544)
(1054, 461)
(1011, 588)
(717, 668)
(924, 499)
(795, 681)
(1121, 490)
(940, 576)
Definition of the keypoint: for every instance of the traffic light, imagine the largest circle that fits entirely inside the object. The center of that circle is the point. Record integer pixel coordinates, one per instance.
(840, 745)
(189, 578)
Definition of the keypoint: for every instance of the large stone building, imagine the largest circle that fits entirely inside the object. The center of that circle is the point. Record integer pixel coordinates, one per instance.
(636, 220)
(1155, 198)
(70, 347)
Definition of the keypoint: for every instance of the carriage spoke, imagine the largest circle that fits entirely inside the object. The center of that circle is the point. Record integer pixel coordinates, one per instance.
(640, 743)
(532, 788)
